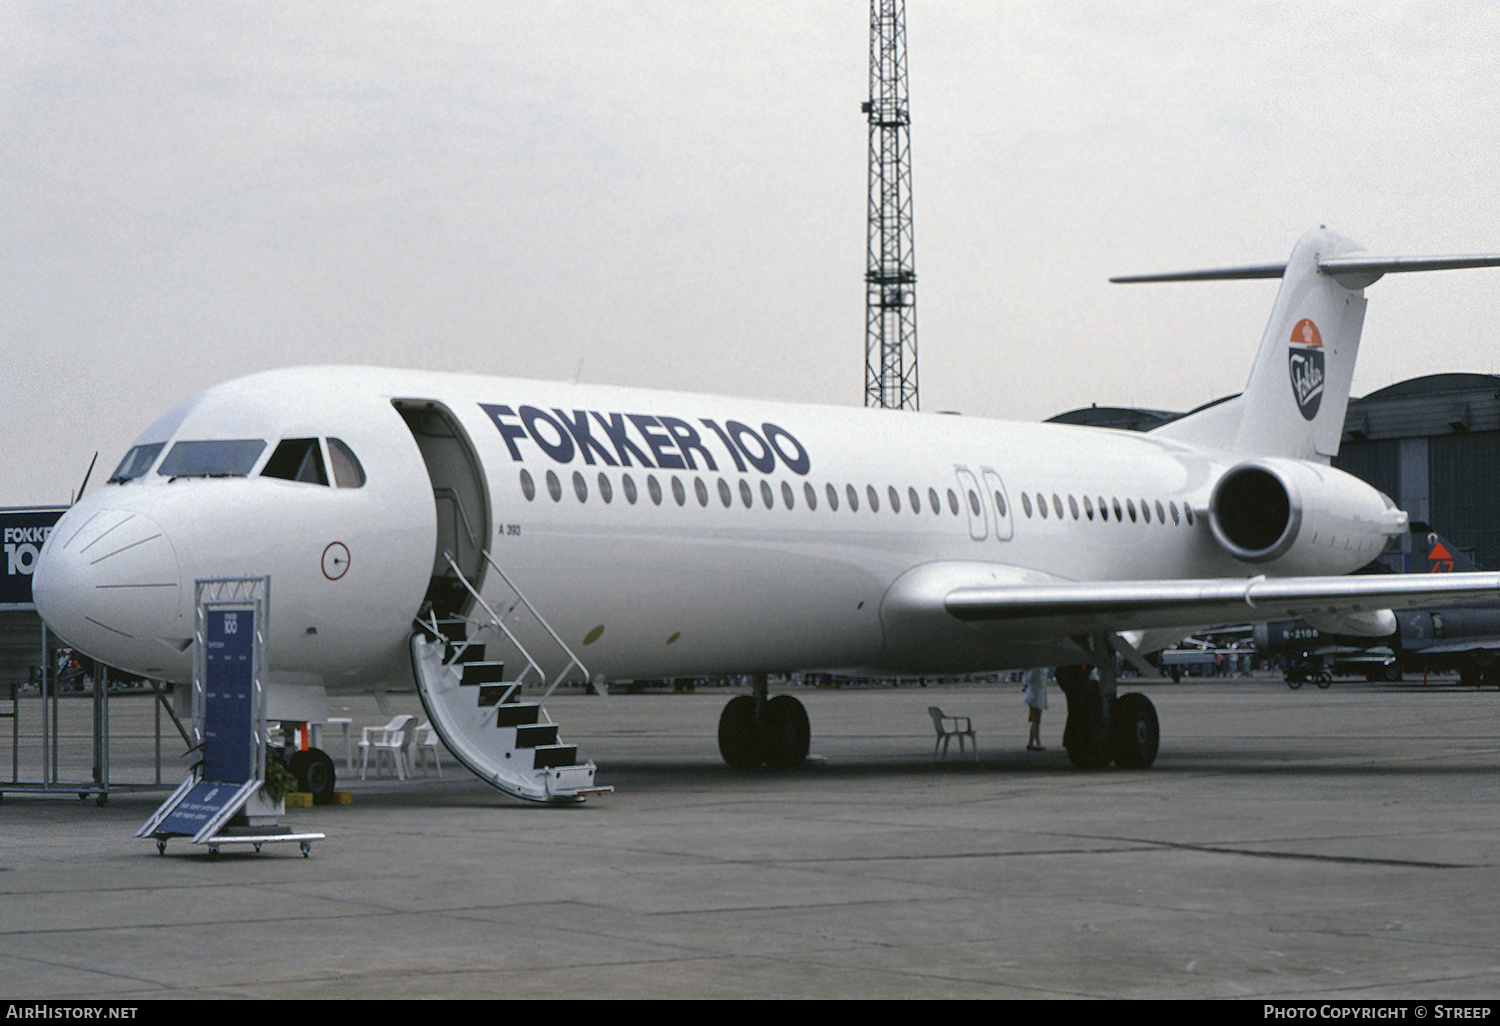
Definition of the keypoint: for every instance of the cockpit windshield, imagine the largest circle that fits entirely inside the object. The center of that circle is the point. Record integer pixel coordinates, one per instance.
(301, 459)
(136, 462)
(217, 458)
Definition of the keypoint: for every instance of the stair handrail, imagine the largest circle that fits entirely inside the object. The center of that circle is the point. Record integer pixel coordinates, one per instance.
(498, 622)
(573, 659)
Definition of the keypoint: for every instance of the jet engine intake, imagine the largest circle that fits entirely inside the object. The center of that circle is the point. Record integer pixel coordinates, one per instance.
(1255, 512)
(1305, 518)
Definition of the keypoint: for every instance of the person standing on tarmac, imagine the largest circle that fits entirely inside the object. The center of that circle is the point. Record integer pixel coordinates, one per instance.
(1034, 695)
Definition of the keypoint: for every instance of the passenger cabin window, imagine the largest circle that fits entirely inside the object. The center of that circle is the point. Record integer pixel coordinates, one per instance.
(136, 462)
(218, 458)
(297, 459)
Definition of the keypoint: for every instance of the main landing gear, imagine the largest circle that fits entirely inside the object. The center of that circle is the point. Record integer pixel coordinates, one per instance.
(754, 731)
(1102, 727)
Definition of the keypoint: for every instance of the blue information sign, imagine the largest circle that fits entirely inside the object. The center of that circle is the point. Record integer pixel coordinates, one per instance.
(228, 720)
(228, 695)
(206, 800)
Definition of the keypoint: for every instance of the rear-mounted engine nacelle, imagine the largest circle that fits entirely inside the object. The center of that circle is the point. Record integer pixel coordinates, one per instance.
(1304, 518)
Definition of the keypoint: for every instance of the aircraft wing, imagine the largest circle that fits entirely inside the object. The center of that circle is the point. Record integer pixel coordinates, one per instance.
(1053, 609)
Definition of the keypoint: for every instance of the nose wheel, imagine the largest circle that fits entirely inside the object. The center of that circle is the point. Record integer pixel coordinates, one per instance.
(315, 774)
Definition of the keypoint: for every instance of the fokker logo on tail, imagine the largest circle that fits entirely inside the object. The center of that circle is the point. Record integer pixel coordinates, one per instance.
(1305, 362)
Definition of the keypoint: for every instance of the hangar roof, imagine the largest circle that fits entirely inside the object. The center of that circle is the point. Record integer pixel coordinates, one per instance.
(1434, 404)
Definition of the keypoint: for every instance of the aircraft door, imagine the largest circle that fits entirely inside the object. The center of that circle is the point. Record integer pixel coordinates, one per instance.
(1001, 504)
(460, 496)
(970, 497)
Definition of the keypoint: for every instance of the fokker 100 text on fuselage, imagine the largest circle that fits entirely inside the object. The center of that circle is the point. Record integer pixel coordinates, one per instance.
(464, 535)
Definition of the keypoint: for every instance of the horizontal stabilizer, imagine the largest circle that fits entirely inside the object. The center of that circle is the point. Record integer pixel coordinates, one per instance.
(1364, 266)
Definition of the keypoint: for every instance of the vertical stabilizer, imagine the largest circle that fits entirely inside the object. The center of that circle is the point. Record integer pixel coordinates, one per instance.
(1298, 392)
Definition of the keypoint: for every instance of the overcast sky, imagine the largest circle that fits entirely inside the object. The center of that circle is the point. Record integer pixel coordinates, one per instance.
(672, 193)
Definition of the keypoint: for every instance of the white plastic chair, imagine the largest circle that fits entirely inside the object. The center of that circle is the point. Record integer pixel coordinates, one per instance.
(425, 742)
(389, 738)
(949, 727)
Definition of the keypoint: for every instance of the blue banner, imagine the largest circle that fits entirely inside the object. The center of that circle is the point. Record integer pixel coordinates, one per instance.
(228, 695)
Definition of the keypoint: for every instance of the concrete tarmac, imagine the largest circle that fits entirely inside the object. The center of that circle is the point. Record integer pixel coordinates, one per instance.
(1339, 844)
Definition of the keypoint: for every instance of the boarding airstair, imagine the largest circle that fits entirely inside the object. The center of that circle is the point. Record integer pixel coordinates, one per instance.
(482, 713)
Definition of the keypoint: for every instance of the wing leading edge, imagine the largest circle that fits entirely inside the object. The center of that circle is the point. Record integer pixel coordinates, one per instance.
(1113, 606)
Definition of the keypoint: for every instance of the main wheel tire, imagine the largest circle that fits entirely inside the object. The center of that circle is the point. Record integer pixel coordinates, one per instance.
(1089, 750)
(784, 733)
(315, 774)
(736, 732)
(1134, 731)
(1084, 736)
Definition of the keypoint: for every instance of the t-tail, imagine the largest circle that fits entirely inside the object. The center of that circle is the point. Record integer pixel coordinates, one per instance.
(1298, 392)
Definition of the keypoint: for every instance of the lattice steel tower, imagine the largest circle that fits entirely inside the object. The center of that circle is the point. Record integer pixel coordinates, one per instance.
(890, 275)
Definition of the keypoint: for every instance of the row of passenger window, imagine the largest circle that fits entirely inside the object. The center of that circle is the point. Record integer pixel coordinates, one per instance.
(831, 495)
(1143, 512)
(746, 494)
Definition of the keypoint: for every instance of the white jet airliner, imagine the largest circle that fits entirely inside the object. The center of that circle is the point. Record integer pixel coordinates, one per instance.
(466, 535)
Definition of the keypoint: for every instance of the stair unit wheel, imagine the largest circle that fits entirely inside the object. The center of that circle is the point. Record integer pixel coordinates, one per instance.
(480, 712)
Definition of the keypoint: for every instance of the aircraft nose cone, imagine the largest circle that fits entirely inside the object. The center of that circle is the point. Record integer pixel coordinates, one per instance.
(111, 575)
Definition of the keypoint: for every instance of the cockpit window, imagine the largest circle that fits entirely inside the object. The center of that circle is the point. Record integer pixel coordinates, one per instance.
(347, 473)
(136, 462)
(217, 458)
(297, 459)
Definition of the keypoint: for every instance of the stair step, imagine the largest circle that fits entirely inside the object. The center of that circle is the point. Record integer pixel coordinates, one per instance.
(473, 654)
(494, 694)
(549, 756)
(516, 714)
(536, 735)
(475, 674)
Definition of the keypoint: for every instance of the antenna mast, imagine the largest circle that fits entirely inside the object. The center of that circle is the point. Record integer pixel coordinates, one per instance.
(890, 275)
